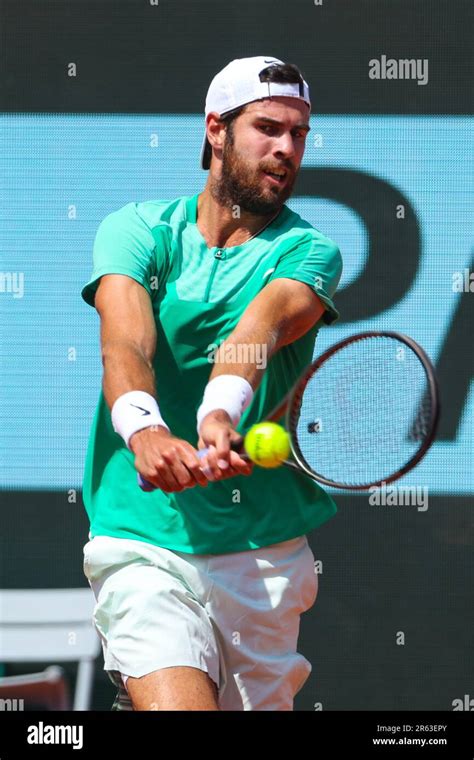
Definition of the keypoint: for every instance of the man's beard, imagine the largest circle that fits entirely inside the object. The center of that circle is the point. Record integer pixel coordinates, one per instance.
(241, 186)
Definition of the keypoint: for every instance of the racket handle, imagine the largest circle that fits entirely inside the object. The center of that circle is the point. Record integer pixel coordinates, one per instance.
(235, 446)
(145, 485)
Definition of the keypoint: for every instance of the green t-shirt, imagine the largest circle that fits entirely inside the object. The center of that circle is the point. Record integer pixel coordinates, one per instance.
(198, 296)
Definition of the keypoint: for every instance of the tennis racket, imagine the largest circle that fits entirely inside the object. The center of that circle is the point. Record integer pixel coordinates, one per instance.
(361, 415)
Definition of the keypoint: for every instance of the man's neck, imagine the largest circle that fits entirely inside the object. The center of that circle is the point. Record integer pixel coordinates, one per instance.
(218, 226)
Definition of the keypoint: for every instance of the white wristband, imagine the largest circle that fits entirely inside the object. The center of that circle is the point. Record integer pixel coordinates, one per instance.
(134, 411)
(231, 393)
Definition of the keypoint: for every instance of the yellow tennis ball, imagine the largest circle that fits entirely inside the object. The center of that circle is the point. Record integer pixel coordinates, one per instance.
(267, 444)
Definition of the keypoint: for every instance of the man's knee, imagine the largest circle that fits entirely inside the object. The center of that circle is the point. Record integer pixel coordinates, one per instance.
(173, 688)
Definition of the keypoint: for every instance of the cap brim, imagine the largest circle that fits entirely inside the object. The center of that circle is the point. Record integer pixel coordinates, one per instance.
(206, 153)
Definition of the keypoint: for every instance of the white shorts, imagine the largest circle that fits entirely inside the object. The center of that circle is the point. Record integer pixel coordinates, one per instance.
(235, 616)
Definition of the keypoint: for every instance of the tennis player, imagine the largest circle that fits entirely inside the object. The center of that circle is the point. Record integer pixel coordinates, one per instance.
(209, 307)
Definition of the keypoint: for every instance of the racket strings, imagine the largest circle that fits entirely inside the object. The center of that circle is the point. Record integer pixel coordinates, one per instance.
(421, 422)
(364, 413)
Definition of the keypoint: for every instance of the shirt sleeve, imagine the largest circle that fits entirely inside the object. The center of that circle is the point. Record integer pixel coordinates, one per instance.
(317, 261)
(125, 244)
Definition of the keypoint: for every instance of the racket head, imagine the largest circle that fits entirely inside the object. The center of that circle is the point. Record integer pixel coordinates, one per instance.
(422, 428)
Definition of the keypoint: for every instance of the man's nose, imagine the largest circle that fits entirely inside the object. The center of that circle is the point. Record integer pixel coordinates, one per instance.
(285, 145)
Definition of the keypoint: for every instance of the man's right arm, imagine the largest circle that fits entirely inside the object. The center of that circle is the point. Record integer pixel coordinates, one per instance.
(128, 345)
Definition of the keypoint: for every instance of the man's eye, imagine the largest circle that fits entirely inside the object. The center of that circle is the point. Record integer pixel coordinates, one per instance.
(299, 134)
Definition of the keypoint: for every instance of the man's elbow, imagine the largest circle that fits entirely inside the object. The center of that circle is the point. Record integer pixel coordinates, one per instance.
(300, 323)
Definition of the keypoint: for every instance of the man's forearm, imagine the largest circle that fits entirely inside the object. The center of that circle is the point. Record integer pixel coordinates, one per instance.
(246, 354)
(281, 313)
(125, 369)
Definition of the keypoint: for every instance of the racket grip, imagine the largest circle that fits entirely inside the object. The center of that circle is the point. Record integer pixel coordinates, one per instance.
(235, 446)
(144, 484)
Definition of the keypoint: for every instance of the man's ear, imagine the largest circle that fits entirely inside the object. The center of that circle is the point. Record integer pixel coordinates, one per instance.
(216, 131)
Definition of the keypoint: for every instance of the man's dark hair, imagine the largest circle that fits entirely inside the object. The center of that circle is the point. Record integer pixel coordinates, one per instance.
(276, 72)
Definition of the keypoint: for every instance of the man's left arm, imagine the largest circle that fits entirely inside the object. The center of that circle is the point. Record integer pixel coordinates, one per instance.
(282, 312)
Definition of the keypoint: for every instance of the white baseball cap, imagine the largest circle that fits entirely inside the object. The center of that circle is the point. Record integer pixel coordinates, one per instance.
(238, 83)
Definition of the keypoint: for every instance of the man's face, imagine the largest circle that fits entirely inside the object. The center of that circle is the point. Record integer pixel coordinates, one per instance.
(269, 136)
